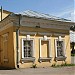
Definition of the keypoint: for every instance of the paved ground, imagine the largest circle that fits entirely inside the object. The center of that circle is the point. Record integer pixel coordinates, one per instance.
(41, 71)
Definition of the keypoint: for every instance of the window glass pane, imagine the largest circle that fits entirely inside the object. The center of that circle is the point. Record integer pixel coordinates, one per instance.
(59, 48)
(27, 48)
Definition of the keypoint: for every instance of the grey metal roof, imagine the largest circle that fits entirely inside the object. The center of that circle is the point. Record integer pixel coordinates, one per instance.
(31, 13)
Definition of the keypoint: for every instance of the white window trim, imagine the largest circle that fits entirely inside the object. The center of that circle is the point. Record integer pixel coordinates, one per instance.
(56, 47)
(41, 39)
(64, 49)
(23, 48)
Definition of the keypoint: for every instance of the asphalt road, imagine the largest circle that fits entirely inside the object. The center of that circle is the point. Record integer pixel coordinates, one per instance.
(40, 71)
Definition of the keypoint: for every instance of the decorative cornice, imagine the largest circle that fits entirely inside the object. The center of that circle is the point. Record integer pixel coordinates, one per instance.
(42, 33)
(44, 24)
(45, 33)
(26, 33)
(5, 27)
(7, 22)
(33, 22)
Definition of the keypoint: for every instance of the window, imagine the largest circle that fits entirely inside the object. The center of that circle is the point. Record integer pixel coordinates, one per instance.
(60, 50)
(27, 48)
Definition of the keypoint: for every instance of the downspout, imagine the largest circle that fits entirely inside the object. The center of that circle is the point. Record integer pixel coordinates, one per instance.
(17, 42)
(1, 13)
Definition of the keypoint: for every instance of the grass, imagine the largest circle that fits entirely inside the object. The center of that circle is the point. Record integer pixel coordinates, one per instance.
(34, 66)
(72, 54)
(62, 65)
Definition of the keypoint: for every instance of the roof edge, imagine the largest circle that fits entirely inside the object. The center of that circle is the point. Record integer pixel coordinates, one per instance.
(7, 11)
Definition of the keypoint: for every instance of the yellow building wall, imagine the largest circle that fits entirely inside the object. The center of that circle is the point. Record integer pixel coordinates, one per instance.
(36, 47)
(68, 50)
(12, 59)
(9, 62)
(45, 48)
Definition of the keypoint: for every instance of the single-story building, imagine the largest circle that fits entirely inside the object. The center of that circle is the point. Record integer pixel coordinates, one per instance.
(29, 38)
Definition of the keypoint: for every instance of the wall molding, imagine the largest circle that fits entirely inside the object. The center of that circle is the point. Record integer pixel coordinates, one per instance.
(33, 22)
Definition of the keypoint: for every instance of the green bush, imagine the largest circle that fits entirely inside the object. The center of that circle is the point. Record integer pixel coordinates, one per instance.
(34, 66)
(62, 65)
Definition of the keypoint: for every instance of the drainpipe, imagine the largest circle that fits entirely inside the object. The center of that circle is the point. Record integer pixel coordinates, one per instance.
(17, 42)
(17, 46)
(1, 13)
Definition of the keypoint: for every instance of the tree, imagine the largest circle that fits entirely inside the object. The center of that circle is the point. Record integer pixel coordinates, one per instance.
(72, 28)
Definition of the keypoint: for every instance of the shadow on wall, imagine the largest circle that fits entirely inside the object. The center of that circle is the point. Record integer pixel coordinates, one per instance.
(6, 68)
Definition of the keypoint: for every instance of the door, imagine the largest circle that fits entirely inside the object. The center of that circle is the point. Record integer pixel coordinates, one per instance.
(1, 49)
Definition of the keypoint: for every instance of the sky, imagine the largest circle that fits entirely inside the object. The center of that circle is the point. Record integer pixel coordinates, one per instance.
(59, 8)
